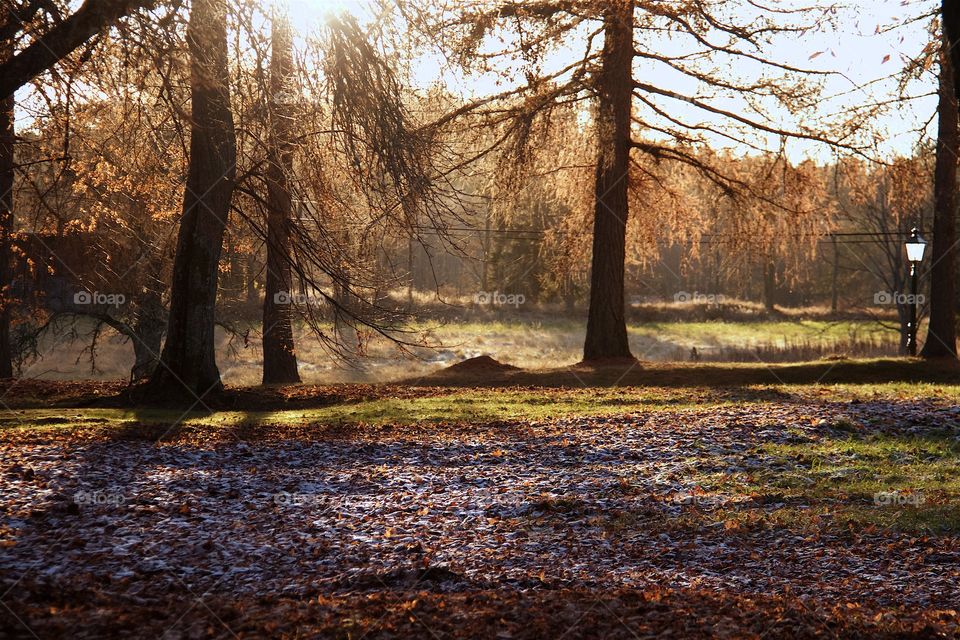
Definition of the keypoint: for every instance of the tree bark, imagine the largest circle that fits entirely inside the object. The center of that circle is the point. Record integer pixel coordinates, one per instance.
(7, 170)
(188, 365)
(606, 321)
(835, 276)
(941, 339)
(7, 139)
(148, 331)
(279, 356)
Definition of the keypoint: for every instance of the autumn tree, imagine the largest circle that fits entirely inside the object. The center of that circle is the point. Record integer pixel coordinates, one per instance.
(64, 35)
(188, 361)
(638, 123)
(884, 201)
(279, 357)
(118, 194)
(358, 167)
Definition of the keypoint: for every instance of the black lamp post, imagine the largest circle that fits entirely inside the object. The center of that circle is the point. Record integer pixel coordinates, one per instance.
(915, 248)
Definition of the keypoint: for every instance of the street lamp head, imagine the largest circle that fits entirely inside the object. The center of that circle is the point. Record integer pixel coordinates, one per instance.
(915, 246)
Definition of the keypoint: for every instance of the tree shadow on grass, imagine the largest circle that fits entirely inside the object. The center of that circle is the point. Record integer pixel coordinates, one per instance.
(620, 373)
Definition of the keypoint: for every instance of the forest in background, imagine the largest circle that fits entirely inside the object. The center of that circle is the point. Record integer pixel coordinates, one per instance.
(359, 203)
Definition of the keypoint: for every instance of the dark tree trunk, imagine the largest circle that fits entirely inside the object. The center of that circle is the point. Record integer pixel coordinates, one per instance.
(343, 325)
(188, 366)
(6, 230)
(279, 357)
(606, 322)
(835, 276)
(148, 329)
(769, 285)
(250, 277)
(941, 333)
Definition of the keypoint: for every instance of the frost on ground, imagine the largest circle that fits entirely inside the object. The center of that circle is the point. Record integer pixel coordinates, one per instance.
(686, 522)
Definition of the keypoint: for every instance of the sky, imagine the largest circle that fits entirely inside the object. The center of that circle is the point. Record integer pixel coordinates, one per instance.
(856, 50)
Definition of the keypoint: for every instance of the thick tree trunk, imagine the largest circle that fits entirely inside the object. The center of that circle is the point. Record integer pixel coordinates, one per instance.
(148, 329)
(606, 322)
(6, 232)
(279, 357)
(188, 365)
(942, 334)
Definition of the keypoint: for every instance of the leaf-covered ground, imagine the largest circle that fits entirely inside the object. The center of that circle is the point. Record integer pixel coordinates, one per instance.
(526, 513)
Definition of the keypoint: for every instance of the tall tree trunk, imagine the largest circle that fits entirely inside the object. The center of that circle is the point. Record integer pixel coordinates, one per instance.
(7, 139)
(941, 332)
(279, 356)
(188, 364)
(606, 322)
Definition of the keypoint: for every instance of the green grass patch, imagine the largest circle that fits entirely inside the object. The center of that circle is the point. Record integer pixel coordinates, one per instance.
(739, 334)
(903, 483)
(472, 406)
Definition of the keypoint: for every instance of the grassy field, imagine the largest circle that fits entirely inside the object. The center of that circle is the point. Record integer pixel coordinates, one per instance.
(527, 342)
(457, 405)
(376, 510)
(836, 479)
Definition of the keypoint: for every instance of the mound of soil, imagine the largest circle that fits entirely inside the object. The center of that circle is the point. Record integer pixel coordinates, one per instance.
(480, 364)
(481, 370)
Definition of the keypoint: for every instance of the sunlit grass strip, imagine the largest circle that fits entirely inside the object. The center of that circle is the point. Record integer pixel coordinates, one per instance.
(474, 406)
